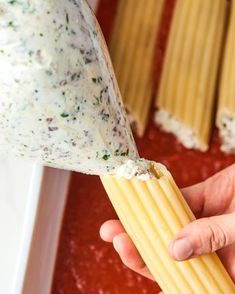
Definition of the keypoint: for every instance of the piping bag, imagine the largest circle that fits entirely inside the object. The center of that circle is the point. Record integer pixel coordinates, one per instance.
(60, 106)
(59, 101)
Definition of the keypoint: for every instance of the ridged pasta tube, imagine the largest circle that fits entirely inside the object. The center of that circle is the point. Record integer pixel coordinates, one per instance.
(132, 52)
(226, 108)
(152, 212)
(186, 95)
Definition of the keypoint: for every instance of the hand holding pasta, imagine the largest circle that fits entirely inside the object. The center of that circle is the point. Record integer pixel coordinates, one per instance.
(212, 201)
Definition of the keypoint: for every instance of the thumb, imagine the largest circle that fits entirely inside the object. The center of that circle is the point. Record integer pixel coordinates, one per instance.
(203, 236)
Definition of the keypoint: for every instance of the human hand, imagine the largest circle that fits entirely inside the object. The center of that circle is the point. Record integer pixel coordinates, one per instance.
(213, 203)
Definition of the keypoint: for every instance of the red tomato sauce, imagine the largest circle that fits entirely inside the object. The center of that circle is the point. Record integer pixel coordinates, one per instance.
(85, 264)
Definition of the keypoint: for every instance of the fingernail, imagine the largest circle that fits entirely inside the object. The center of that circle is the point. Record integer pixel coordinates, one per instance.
(115, 244)
(181, 249)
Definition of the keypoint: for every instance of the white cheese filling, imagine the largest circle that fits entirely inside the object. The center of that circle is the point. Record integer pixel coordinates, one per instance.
(184, 134)
(227, 133)
(142, 169)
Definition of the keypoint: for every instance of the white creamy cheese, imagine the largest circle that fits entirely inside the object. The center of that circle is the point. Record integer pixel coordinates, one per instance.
(227, 133)
(59, 101)
(170, 124)
(142, 169)
(138, 168)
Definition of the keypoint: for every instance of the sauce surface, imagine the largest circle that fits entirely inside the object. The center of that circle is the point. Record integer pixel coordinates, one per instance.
(59, 101)
(87, 265)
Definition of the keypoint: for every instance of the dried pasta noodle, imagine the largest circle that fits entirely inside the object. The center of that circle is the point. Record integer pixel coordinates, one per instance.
(186, 95)
(152, 212)
(132, 51)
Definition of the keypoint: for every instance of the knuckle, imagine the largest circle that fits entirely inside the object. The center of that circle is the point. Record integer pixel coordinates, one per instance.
(217, 238)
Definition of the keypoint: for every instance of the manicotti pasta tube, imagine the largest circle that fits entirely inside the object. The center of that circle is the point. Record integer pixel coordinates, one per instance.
(186, 95)
(226, 107)
(132, 51)
(152, 210)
